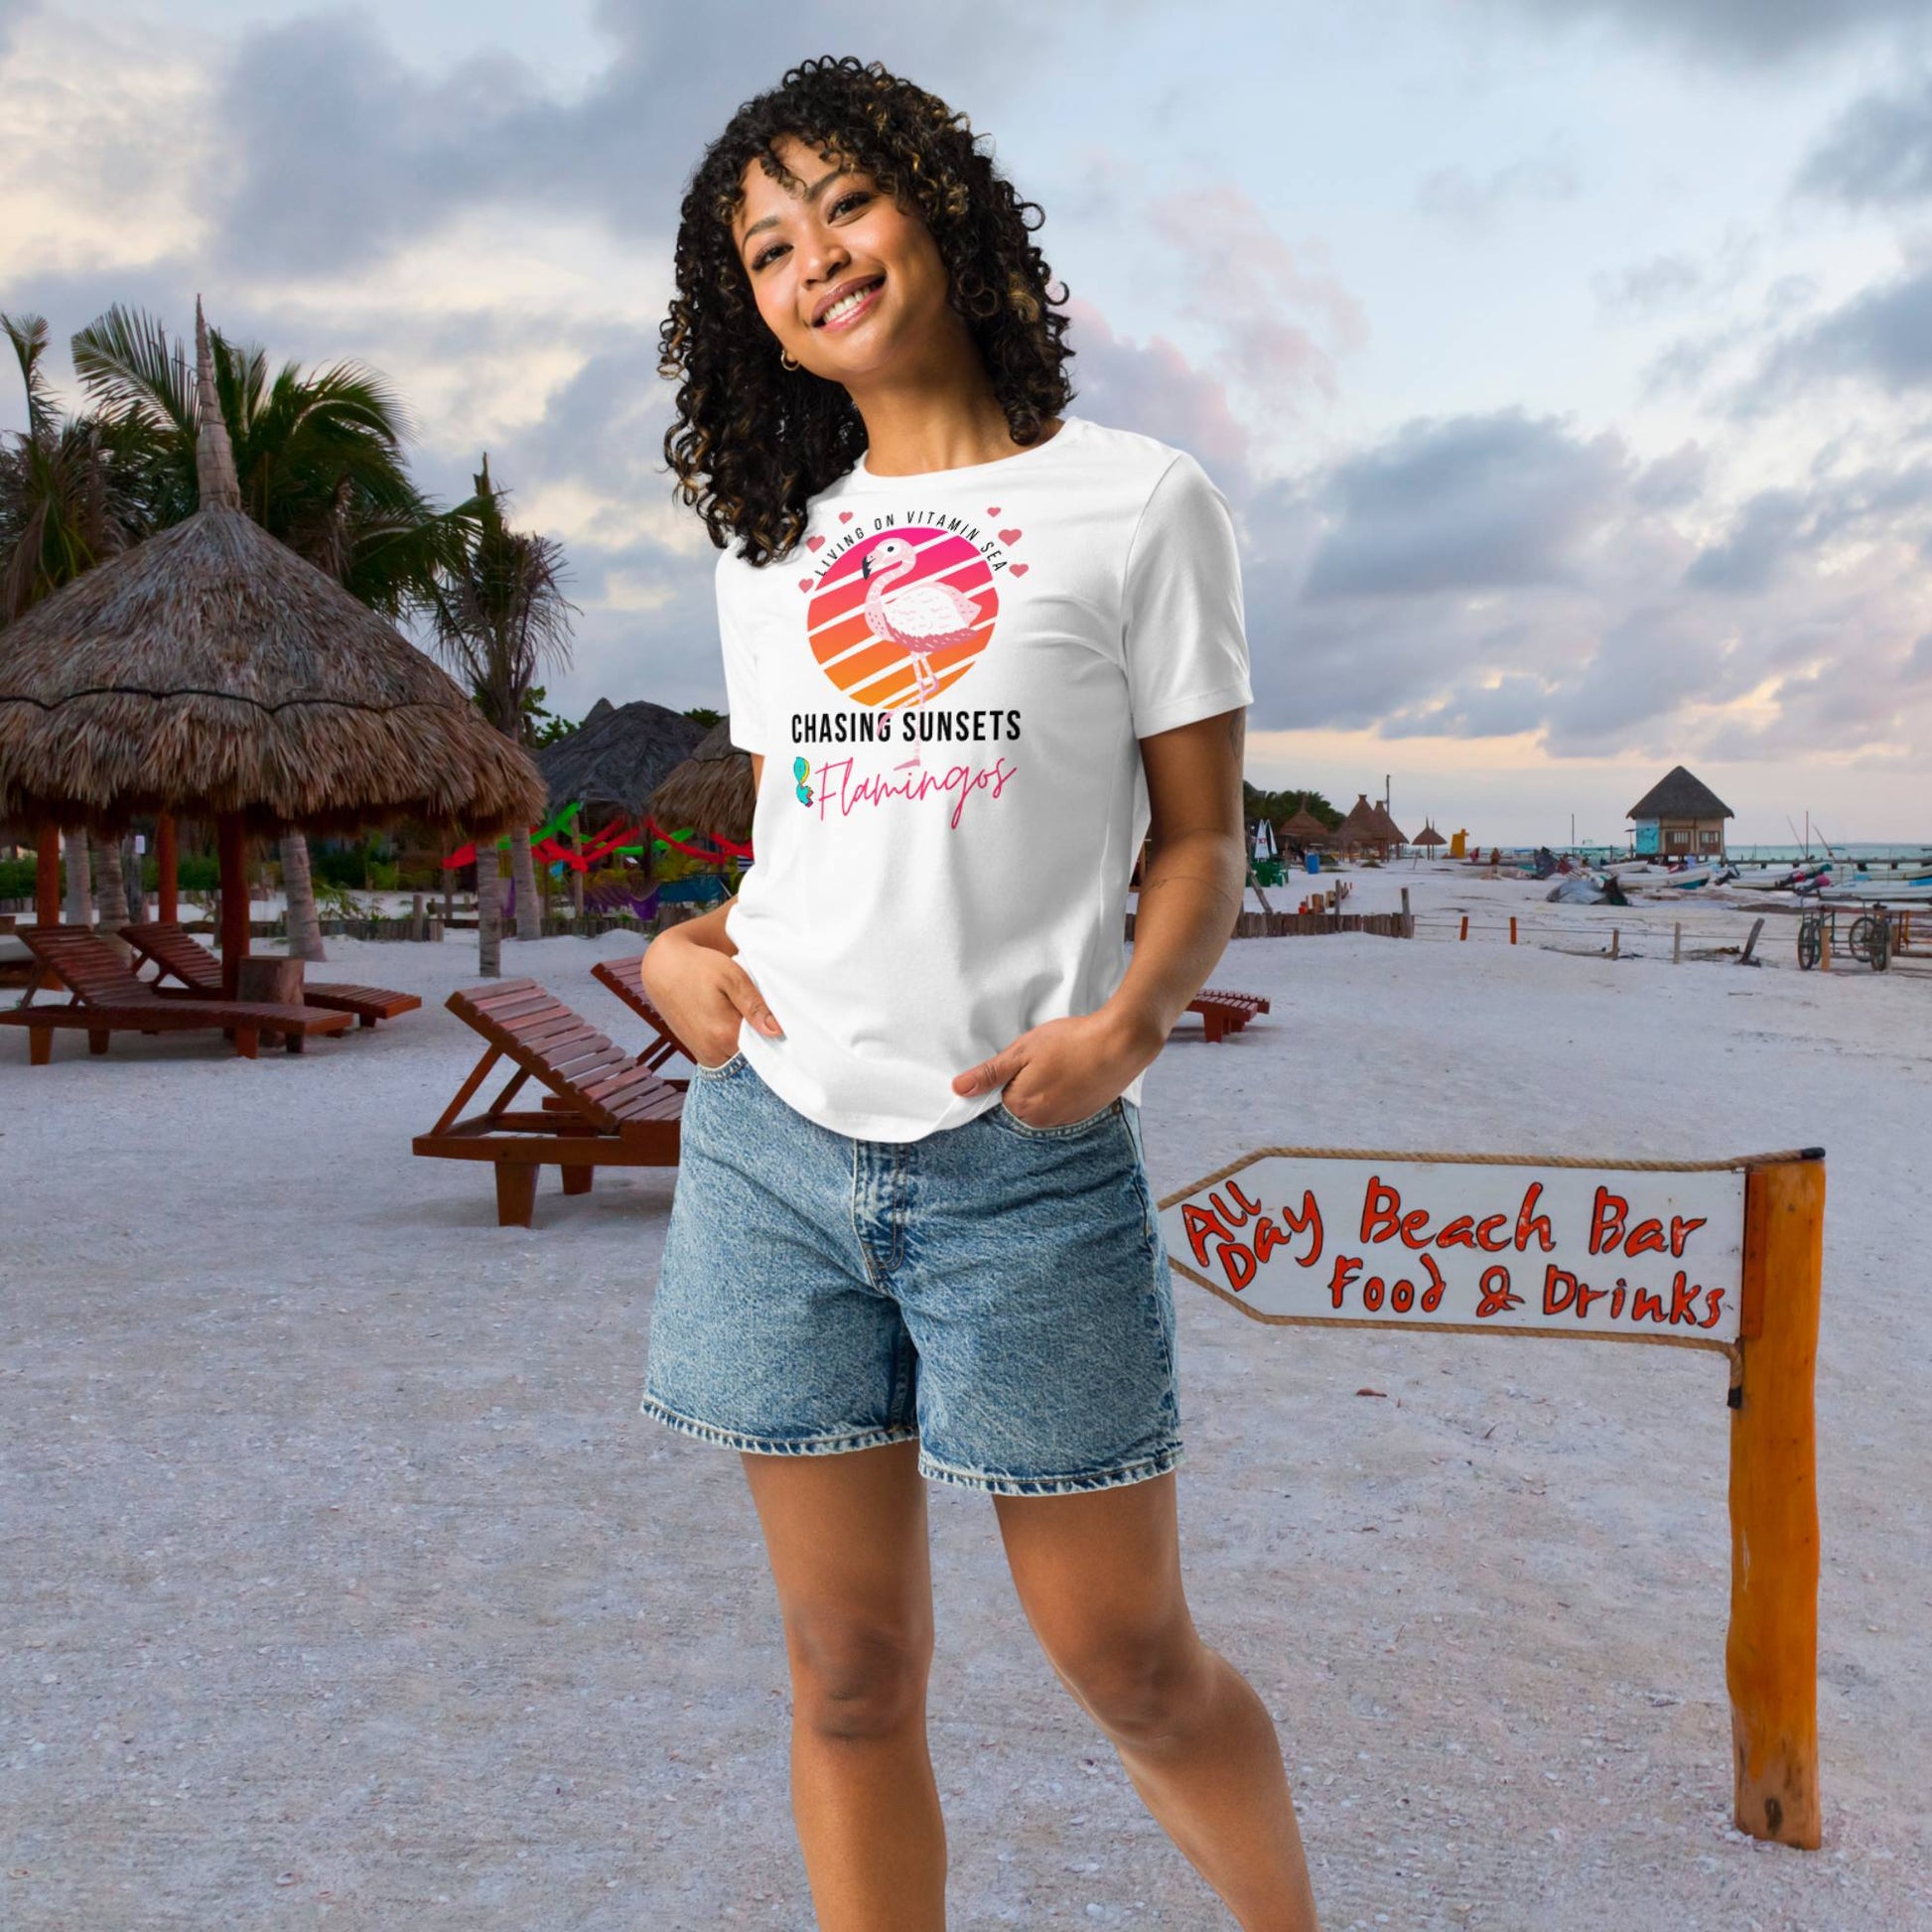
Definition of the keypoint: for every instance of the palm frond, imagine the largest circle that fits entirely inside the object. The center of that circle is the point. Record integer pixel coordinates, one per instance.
(126, 362)
(28, 333)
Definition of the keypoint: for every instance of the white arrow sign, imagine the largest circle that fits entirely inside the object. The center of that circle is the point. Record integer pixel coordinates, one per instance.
(1399, 1241)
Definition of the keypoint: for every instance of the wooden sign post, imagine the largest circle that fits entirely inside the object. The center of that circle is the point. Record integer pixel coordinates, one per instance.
(1724, 1255)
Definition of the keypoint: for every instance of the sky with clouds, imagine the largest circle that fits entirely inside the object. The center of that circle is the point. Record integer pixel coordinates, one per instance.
(1568, 364)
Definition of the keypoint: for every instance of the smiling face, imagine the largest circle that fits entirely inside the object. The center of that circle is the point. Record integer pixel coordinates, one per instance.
(849, 283)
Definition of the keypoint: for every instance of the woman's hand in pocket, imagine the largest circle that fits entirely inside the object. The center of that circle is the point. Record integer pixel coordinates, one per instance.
(703, 993)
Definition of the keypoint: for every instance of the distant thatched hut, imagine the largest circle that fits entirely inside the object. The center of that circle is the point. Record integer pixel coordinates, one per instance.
(711, 790)
(612, 762)
(1303, 832)
(1390, 831)
(1680, 816)
(1428, 838)
(213, 673)
(1362, 830)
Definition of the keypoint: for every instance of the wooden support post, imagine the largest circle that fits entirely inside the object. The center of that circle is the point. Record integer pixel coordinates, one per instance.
(1771, 1656)
(167, 859)
(1750, 944)
(232, 845)
(1512, 929)
(1616, 941)
(1465, 926)
(47, 875)
(1824, 944)
(1677, 943)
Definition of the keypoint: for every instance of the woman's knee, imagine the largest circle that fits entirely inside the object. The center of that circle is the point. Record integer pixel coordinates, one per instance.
(852, 1677)
(1142, 1687)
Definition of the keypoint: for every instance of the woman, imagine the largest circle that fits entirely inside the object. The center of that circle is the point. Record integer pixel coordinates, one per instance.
(982, 643)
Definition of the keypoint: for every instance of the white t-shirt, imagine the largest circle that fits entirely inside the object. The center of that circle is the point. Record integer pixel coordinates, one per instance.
(947, 681)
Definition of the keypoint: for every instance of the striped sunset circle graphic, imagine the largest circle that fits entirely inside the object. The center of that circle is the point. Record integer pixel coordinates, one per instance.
(901, 617)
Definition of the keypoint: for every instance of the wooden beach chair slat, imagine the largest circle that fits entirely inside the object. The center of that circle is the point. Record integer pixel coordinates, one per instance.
(177, 954)
(1224, 1011)
(576, 1128)
(623, 978)
(108, 997)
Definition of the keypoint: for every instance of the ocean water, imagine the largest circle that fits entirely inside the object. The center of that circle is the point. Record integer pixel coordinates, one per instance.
(1791, 853)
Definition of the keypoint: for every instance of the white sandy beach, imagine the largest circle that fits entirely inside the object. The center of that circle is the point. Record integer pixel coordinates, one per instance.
(345, 1586)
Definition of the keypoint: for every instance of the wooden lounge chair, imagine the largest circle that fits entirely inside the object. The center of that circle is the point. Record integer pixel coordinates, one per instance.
(1223, 1012)
(175, 955)
(623, 978)
(602, 1108)
(16, 962)
(109, 998)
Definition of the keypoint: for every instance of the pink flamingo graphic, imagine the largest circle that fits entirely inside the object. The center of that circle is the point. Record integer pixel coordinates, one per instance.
(922, 618)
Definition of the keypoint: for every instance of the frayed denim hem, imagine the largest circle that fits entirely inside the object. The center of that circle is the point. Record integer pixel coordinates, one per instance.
(1172, 1457)
(768, 1446)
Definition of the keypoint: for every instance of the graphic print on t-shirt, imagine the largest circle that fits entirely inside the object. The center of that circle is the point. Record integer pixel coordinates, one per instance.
(898, 610)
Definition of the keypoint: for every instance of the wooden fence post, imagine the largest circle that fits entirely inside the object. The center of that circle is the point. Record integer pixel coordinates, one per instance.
(1771, 1655)
(1465, 926)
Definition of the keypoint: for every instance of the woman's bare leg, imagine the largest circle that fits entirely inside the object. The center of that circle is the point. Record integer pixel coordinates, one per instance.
(1099, 1576)
(847, 1539)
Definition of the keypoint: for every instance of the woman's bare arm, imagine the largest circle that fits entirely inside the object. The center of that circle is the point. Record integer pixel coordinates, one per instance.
(1190, 896)
(692, 975)
(1196, 873)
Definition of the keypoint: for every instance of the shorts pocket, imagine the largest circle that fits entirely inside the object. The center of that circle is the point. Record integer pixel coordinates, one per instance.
(1003, 1116)
(723, 1071)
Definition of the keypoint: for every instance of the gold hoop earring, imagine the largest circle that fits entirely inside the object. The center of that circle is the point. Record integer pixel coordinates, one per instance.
(784, 356)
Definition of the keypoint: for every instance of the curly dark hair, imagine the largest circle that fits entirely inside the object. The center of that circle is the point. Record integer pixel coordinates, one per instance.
(752, 441)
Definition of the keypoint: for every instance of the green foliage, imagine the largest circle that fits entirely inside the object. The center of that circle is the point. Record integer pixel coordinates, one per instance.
(1277, 807)
(497, 608)
(335, 902)
(705, 716)
(74, 489)
(192, 873)
(541, 726)
(319, 454)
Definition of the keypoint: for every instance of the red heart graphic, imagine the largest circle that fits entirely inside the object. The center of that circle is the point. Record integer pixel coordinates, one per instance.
(814, 543)
(1018, 570)
(804, 583)
(845, 517)
(1011, 536)
(993, 509)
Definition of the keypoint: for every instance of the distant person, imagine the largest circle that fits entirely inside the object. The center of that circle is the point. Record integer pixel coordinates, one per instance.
(982, 644)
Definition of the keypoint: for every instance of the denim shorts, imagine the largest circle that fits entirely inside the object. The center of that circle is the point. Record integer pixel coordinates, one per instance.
(996, 1291)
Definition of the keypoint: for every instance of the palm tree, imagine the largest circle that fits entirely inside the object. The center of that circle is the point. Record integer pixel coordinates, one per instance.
(320, 461)
(73, 491)
(498, 615)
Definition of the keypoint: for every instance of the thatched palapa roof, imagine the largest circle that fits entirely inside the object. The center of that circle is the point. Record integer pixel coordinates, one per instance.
(1429, 836)
(1360, 827)
(711, 790)
(211, 670)
(1385, 827)
(618, 757)
(1678, 795)
(1305, 829)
